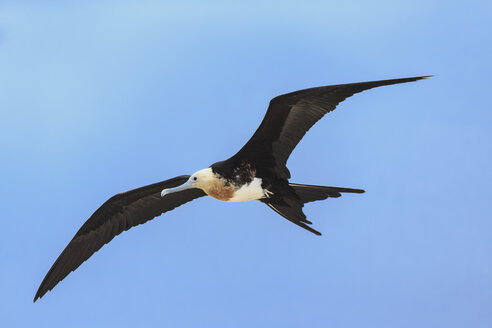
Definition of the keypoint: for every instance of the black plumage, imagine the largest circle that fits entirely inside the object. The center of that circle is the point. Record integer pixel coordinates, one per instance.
(286, 121)
(290, 116)
(264, 157)
(119, 213)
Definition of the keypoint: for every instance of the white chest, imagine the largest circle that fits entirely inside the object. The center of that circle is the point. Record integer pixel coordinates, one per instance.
(250, 191)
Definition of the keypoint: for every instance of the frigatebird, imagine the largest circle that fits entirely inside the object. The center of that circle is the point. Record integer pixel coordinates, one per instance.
(257, 172)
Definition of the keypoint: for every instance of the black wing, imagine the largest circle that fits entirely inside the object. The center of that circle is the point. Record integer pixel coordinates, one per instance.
(291, 115)
(118, 214)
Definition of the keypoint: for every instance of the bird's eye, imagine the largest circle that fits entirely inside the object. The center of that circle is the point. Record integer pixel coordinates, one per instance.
(195, 178)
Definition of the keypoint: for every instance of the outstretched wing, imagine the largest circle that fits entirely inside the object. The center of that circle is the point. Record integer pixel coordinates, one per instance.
(291, 115)
(118, 214)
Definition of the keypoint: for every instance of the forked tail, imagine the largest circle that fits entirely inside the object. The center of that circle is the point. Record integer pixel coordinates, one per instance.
(290, 206)
(310, 193)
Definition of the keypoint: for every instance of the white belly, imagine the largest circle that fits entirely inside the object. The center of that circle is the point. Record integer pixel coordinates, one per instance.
(250, 191)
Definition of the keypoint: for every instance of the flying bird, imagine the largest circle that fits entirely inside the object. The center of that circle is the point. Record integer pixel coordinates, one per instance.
(257, 172)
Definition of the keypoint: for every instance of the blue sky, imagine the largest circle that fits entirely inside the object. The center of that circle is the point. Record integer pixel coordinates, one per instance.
(98, 97)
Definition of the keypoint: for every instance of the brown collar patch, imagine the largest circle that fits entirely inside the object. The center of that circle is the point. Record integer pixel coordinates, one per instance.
(218, 189)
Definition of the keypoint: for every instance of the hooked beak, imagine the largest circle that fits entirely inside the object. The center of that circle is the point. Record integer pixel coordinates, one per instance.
(187, 185)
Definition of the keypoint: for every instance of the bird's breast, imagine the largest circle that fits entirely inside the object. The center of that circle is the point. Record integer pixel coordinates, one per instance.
(223, 190)
(220, 190)
(250, 191)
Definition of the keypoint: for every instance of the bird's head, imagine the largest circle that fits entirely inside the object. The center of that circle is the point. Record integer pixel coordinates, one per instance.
(200, 179)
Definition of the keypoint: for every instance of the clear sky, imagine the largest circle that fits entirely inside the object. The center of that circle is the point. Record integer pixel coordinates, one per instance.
(98, 97)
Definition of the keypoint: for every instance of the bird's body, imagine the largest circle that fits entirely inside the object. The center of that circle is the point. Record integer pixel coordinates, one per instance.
(257, 172)
(242, 186)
